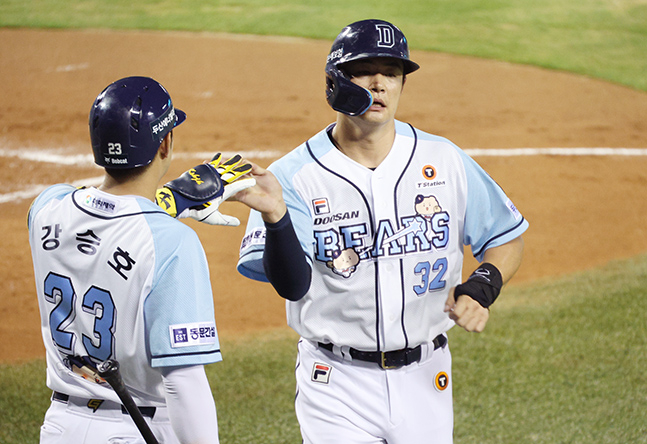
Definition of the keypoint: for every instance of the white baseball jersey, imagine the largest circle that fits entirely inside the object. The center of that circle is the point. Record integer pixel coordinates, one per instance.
(118, 278)
(385, 245)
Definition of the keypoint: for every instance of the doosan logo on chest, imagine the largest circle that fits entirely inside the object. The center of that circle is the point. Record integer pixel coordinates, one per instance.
(337, 217)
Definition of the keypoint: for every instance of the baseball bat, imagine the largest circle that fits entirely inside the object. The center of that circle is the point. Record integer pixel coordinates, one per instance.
(109, 370)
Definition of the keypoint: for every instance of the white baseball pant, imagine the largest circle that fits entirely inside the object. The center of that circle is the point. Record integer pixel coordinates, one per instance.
(358, 402)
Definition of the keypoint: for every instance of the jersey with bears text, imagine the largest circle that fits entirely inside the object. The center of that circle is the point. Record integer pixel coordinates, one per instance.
(385, 245)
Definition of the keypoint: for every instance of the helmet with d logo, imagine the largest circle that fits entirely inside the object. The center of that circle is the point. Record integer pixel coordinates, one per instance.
(362, 40)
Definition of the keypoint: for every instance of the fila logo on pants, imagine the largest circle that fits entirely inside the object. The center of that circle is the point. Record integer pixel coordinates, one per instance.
(321, 372)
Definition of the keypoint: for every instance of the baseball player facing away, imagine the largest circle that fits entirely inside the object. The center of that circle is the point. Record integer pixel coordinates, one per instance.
(366, 243)
(118, 278)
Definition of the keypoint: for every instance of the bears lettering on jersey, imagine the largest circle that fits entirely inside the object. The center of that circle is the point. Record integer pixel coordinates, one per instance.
(342, 247)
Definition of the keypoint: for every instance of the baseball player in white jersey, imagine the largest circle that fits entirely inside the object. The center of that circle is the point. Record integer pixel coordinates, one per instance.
(118, 278)
(363, 234)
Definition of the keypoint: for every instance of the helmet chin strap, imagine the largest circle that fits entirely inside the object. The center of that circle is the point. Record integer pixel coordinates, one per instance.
(345, 96)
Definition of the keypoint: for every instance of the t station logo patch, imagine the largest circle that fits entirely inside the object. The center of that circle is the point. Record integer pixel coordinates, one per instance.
(430, 175)
(441, 381)
(429, 172)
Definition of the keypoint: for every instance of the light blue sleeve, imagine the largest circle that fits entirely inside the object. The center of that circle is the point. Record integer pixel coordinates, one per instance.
(179, 312)
(491, 219)
(299, 210)
(285, 169)
(53, 192)
(250, 261)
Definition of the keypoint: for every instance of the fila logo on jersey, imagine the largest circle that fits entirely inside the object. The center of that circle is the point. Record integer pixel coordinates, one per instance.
(441, 381)
(321, 372)
(320, 206)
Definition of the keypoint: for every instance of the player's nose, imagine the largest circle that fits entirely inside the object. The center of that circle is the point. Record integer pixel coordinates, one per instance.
(377, 83)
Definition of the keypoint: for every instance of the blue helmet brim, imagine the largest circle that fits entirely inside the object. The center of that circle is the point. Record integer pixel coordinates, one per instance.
(180, 117)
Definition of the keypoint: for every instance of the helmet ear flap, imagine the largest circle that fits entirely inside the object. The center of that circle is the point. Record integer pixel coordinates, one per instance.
(344, 96)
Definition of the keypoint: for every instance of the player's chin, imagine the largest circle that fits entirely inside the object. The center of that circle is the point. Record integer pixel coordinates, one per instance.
(377, 115)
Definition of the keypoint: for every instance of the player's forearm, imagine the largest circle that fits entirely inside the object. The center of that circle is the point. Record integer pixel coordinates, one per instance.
(191, 407)
(506, 257)
(285, 263)
(484, 285)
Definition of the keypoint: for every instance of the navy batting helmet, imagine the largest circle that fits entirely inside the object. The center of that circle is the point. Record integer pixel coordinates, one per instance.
(129, 120)
(362, 40)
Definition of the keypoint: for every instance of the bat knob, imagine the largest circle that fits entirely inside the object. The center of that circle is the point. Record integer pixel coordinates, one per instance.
(108, 367)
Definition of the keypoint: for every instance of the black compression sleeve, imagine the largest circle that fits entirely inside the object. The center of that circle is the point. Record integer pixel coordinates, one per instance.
(285, 263)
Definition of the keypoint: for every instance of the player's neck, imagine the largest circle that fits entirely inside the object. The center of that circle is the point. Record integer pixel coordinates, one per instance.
(366, 145)
(137, 187)
(142, 183)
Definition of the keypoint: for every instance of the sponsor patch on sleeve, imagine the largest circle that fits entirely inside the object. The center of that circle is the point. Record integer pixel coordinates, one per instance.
(255, 237)
(198, 333)
(513, 209)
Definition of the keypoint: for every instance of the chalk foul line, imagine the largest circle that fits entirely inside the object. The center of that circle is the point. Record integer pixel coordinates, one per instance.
(84, 160)
(511, 152)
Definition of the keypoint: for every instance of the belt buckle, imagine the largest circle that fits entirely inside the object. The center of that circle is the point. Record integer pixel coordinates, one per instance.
(383, 362)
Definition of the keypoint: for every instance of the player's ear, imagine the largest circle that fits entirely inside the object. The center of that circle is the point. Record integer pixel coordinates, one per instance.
(166, 146)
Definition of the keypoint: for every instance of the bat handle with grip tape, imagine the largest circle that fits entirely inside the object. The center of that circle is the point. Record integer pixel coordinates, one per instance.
(109, 370)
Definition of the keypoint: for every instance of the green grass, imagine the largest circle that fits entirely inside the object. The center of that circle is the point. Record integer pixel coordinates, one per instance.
(254, 389)
(560, 362)
(606, 39)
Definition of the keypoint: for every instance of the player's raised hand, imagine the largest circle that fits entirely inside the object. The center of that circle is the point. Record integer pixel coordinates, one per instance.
(234, 174)
(194, 187)
(466, 312)
(266, 196)
(198, 192)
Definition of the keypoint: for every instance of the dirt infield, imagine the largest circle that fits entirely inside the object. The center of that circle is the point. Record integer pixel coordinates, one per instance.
(266, 94)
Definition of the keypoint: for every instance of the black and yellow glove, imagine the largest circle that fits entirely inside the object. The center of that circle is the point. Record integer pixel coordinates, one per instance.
(198, 192)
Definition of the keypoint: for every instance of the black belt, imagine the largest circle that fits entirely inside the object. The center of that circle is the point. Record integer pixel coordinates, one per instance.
(391, 359)
(94, 404)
